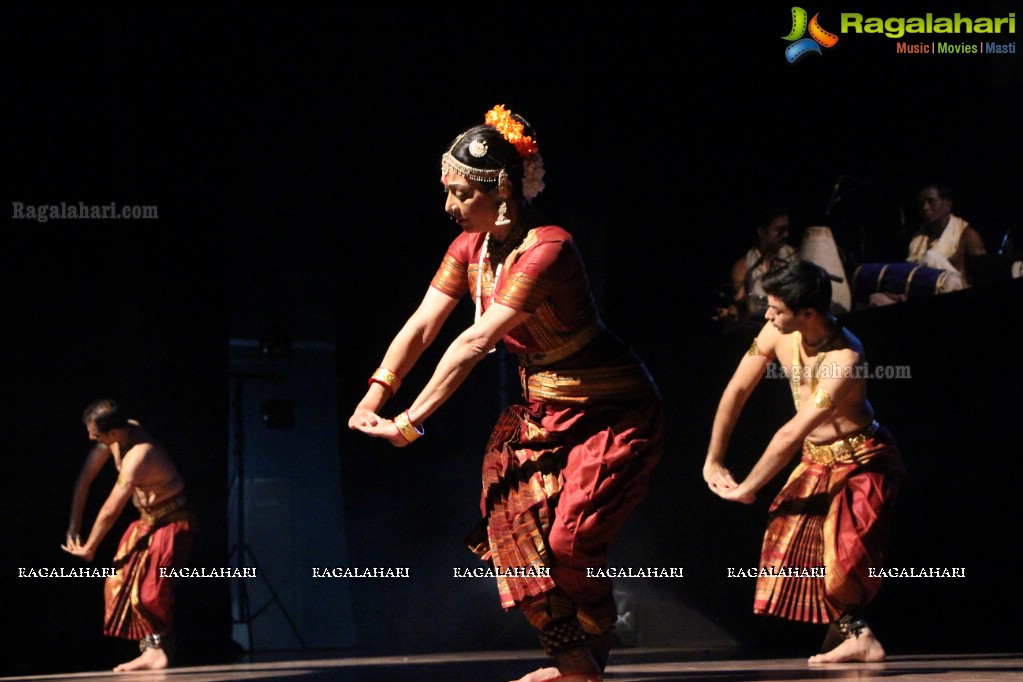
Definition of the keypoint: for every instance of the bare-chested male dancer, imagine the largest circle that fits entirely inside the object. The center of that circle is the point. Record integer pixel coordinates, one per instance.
(139, 601)
(834, 513)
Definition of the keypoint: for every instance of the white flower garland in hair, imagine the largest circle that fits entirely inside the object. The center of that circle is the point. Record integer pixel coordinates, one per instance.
(532, 176)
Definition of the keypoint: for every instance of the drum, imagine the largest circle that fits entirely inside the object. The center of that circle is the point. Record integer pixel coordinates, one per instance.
(819, 247)
(905, 278)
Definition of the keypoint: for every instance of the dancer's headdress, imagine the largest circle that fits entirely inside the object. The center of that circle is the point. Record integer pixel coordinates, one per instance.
(480, 163)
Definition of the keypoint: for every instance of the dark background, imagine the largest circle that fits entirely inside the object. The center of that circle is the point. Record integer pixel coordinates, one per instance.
(294, 158)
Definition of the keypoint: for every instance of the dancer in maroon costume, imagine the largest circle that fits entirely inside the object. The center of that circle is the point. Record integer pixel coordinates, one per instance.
(562, 471)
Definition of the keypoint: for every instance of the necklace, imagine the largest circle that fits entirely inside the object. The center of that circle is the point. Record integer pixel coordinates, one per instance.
(499, 249)
(479, 279)
(479, 282)
(504, 253)
(796, 376)
(813, 345)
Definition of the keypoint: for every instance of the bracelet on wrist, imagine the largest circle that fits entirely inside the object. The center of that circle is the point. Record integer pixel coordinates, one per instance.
(409, 431)
(385, 378)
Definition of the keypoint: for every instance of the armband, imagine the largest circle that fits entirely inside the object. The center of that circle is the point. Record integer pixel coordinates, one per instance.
(821, 399)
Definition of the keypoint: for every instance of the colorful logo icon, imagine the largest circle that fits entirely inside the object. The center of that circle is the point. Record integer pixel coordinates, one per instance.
(802, 46)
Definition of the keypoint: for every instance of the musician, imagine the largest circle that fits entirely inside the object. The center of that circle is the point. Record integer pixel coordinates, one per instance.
(769, 250)
(944, 240)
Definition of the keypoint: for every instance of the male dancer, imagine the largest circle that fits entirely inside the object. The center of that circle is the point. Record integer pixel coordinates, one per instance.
(835, 511)
(139, 601)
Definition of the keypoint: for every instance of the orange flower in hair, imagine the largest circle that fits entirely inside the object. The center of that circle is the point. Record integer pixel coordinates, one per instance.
(511, 130)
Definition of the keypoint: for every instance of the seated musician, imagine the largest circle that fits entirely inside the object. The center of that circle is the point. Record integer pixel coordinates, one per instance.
(943, 242)
(769, 250)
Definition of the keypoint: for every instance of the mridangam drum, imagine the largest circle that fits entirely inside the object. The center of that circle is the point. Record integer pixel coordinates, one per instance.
(905, 278)
(819, 247)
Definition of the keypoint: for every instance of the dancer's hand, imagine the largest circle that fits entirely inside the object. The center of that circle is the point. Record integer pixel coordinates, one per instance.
(362, 417)
(718, 478)
(378, 427)
(737, 494)
(76, 548)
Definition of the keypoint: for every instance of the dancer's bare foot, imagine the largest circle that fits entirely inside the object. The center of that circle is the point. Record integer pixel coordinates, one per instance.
(540, 675)
(864, 648)
(575, 665)
(150, 659)
(552, 674)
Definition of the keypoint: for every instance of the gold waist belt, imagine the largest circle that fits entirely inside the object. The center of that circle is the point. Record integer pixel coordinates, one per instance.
(151, 516)
(579, 386)
(570, 347)
(841, 451)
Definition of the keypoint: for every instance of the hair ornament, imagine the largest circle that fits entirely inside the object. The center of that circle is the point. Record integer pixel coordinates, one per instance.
(478, 148)
(513, 130)
(532, 176)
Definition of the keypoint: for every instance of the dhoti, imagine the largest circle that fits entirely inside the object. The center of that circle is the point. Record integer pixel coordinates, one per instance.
(139, 601)
(827, 527)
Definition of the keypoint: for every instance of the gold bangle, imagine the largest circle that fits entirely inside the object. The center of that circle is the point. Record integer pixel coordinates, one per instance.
(408, 430)
(386, 378)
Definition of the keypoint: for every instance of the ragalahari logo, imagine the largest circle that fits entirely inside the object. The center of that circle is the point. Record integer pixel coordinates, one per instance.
(802, 46)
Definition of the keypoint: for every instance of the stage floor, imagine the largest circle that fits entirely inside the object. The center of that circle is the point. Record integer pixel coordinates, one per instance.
(635, 665)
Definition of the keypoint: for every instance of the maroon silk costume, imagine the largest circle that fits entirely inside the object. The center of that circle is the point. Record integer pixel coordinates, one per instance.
(562, 472)
(834, 512)
(139, 601)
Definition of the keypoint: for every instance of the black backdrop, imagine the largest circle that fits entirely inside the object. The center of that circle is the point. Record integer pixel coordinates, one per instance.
(293, 155)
